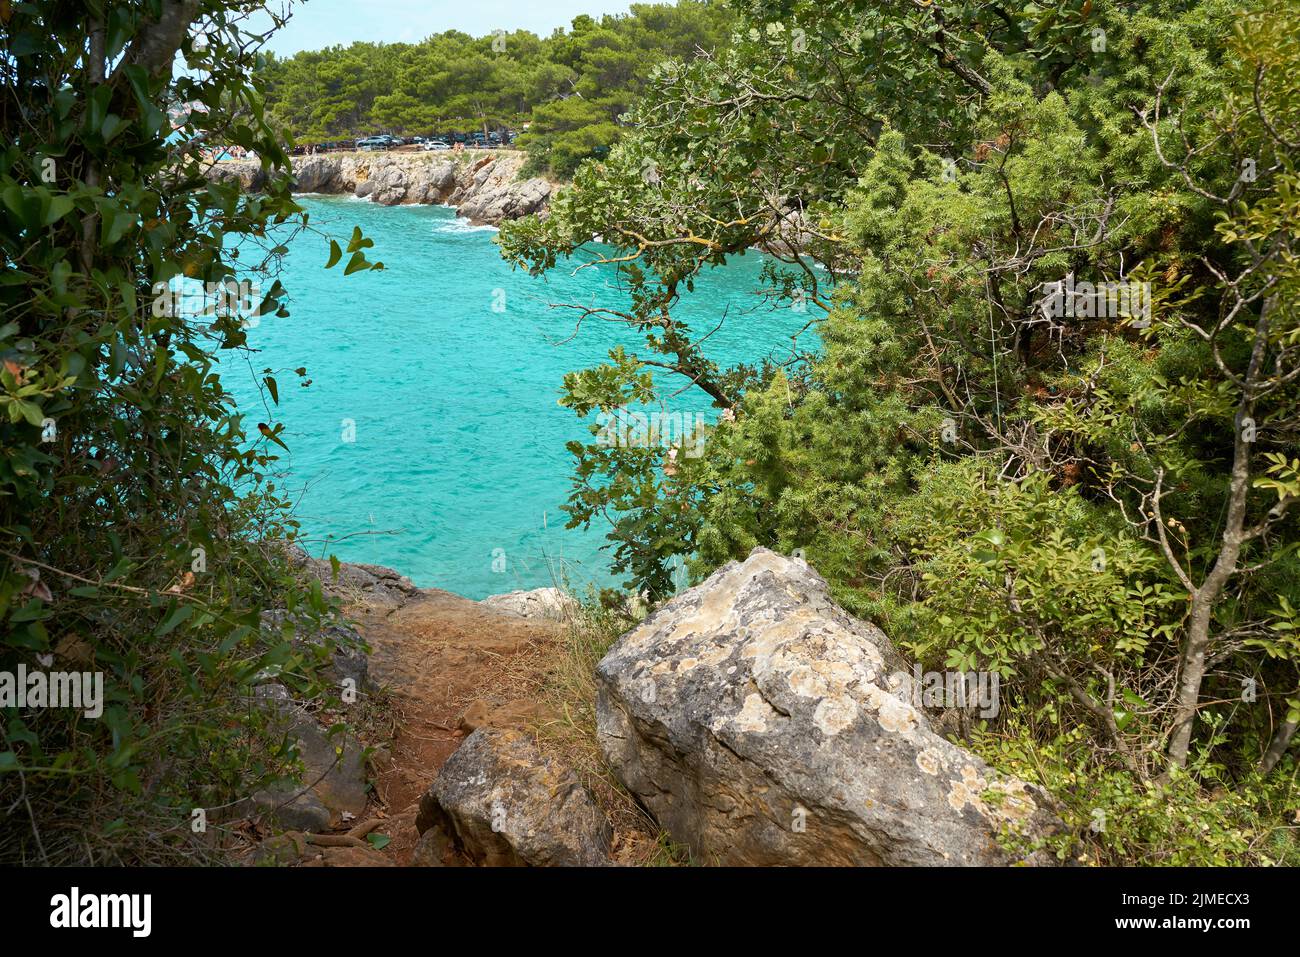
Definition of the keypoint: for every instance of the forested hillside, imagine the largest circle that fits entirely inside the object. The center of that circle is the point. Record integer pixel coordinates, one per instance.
(572, 87)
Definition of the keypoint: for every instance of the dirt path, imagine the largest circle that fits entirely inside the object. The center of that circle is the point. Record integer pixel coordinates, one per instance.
(450, 665)
(441, 666)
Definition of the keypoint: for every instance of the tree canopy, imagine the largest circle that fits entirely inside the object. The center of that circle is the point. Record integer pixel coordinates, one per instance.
(1043, 420)
(570, 88)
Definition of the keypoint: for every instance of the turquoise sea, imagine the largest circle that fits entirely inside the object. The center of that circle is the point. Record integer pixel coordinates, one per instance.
(429, 439)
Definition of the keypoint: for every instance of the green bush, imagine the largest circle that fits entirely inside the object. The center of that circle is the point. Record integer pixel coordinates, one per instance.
(1099, 504)
(1112, 819)
(139, 536)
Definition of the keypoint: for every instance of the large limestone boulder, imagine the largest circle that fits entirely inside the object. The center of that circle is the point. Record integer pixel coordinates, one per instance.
(505, 804)
(761, 724)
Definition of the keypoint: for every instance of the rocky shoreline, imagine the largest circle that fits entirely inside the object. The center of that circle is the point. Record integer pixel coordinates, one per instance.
(486, 187)
(752, 718)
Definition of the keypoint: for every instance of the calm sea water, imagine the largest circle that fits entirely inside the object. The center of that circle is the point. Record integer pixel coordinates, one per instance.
(430, 439)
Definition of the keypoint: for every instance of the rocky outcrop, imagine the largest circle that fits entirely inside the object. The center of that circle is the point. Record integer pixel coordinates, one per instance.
(370, 586)
(315, 174)
(389, 186)
(793, 234)
(511, 200)
(761, 724)
(345, 648)
(485, 187)
(504, 804)
(757, 721)
(433, 182)
(551, 603)
(332, 787)
(247, 173)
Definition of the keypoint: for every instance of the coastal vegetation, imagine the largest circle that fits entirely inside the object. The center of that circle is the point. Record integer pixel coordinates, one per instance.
(1093, 496)
(569, 89)
(139, 531)
(1040, 420)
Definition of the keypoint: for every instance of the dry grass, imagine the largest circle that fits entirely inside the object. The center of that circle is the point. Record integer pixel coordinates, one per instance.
(569, 691)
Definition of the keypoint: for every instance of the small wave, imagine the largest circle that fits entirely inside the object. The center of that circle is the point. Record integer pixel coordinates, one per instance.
(462, 226)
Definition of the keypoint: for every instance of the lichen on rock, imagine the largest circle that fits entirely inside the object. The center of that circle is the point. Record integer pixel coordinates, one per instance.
(761, 724)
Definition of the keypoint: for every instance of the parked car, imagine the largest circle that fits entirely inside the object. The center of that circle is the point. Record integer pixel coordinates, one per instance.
(431, 145)
(382, 142)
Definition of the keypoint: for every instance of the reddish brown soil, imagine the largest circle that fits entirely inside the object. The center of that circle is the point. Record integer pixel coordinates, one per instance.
(450, 665)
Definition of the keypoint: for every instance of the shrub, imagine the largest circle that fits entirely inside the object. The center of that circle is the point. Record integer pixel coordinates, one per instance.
(138, 528)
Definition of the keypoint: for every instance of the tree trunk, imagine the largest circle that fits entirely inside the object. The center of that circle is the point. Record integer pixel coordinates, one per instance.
(156, 44)
(1278, 746)
(1192, 665)
(94, 71)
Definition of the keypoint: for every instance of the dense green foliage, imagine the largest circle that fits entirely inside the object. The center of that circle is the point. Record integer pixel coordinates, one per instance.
(572, 87)
(1099, 505)
(137, 529)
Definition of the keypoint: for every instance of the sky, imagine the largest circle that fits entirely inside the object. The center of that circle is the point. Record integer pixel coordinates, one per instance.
(321, 23)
